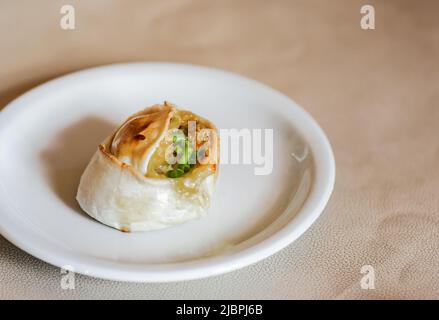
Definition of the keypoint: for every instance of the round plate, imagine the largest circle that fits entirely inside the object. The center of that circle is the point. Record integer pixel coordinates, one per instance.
(48, 135)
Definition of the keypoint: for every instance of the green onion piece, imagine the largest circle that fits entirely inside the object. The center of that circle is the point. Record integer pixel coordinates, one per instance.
(185, 167)
(177, 173)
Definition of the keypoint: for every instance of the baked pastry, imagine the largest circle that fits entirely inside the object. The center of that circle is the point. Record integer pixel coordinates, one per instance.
(157, 170)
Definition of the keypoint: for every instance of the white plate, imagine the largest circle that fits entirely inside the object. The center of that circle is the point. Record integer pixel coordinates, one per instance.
(48, 135)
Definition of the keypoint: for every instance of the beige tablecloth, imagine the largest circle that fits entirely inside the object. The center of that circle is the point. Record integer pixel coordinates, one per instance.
(375, 93)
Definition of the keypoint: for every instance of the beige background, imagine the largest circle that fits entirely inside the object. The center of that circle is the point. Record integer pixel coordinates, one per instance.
(374, 92)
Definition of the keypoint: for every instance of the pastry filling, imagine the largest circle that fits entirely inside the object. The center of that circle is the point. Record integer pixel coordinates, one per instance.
(179, 152)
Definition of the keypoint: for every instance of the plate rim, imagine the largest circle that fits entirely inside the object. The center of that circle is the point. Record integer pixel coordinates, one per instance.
(322, 185)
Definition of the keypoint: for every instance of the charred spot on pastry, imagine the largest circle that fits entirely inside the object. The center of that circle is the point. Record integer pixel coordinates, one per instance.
(139, 137)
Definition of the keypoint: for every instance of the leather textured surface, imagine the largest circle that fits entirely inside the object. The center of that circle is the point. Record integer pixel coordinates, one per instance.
(374, 92)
